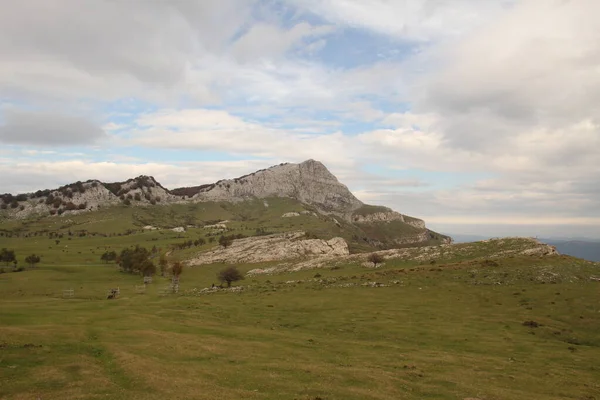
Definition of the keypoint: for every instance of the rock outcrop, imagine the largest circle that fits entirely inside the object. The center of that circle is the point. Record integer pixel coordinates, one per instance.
(493, 249)
(386, 215)
(286, 246)
(309, 182)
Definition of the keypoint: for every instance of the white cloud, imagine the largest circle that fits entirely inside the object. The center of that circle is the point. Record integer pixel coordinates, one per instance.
(413, 19)
(269, 40)
(215, 130)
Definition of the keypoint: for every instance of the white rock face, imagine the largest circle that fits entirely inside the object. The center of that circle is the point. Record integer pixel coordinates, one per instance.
(290, 214)
(387, 216)
(178, 229)
(285, 246)
(310, 182)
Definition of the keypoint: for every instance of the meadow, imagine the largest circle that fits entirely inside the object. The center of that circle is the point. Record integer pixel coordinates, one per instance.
(517, 328)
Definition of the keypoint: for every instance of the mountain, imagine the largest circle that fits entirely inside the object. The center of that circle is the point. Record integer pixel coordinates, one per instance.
(313, 192)
(588, 250)
(309, 182)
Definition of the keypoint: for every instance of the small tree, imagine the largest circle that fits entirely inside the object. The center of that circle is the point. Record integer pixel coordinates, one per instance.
(225, 241)
(147, 268)
(32, 260)
(230, 274)
(177, 268)
(7, 256)
(109, 256)
(375, 258)
(163, 264)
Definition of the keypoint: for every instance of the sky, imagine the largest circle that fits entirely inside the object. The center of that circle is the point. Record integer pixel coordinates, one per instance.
(477, 116)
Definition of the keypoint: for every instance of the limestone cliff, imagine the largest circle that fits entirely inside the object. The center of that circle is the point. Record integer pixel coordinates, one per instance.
(310, 182)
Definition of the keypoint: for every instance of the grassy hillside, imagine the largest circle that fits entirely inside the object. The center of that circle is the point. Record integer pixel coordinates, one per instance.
(82, 238)
(520, 327)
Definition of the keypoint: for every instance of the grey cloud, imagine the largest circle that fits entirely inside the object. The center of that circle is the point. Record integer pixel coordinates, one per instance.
(37, 128)
(110, 48)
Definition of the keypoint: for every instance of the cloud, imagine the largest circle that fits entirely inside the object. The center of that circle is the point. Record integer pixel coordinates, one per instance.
(268, 40)
(419, 20)
(28, 176)
(47, 129)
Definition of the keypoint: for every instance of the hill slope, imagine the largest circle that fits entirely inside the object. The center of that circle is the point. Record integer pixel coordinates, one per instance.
(310, 197)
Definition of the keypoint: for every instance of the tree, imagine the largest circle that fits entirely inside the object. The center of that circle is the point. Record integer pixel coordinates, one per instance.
(109, 256)
(147, 268)
(225, 241)
(230, 274)
(32, 260)
(7, 256)
(177, 268)
(131, 259)
(375, 258)
(163, 264)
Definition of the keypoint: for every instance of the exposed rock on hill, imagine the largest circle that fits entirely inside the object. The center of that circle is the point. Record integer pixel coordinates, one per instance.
(273, 248)
(309, 182)
(370, 214)
(492, 249)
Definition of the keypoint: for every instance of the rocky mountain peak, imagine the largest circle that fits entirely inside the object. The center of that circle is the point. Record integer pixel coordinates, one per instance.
(309, 182)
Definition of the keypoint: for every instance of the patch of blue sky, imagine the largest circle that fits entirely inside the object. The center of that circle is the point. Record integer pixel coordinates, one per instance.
(124, 110)
(352, 47)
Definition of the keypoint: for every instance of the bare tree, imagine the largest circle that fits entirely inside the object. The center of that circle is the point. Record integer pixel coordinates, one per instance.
(229, 275)
(375, 258)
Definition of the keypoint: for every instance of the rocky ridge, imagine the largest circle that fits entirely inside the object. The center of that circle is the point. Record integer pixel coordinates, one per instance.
(495, 248)
(286, 246)
(309, 182)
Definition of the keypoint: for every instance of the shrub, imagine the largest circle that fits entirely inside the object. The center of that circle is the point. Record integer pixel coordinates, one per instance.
(137, 197)
(127, 202)
(71, 206)
(32, 260)
(82, 206)
(375, 258)
(229, 275)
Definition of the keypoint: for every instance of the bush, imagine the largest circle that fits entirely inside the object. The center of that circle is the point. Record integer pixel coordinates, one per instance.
(375, 258)
(82, 206)
(133, 260)
(127, 202)
(137, 197)
(32, 260)
(229, 275)
(71, 206)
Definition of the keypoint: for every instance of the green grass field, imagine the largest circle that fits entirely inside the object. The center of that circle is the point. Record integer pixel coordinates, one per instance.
(444, 331)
